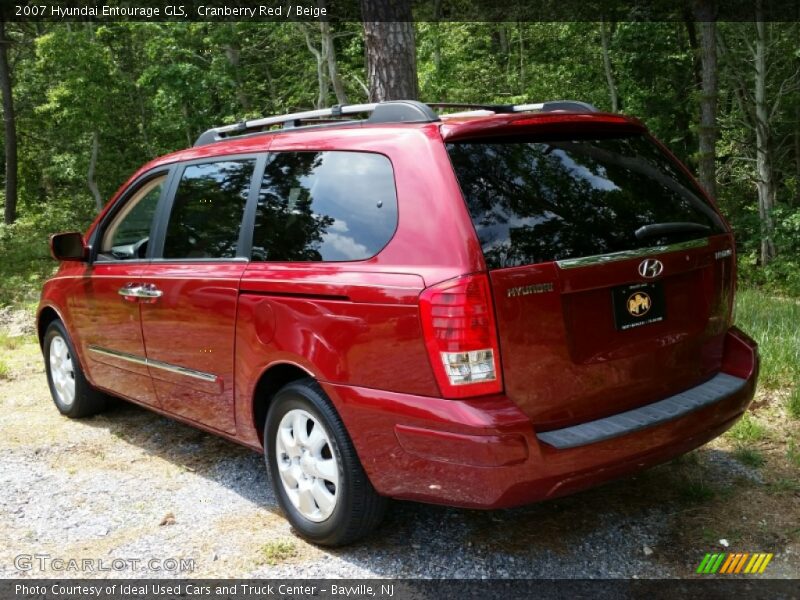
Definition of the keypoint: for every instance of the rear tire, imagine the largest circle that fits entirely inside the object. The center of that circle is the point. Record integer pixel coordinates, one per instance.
(71, 392)
(317, 477)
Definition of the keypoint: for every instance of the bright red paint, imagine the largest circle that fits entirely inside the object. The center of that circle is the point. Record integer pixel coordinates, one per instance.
(193, 325)
(359, 330)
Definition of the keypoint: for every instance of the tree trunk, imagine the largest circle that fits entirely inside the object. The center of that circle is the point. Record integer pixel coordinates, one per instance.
(797, 156)
(705, 12)
(187, 130)
(691, 33)
(390, 49)
(437, 39)
(765, 183)
(10, 127)
(521, 60)
(329, 50)
(322, 76)
(612, 86)
(143, 120)
(273, 92)
(504, 47)
(233, 54)
(90, 179)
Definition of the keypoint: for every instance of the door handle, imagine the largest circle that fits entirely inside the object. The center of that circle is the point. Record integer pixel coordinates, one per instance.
(144, 292)
(149, 293)
(129, 292)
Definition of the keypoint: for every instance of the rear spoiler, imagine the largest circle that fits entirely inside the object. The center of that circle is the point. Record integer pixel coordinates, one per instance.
(508, 125)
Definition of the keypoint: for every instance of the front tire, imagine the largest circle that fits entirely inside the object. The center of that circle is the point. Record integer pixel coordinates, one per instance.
(317, 477)
(72, 394)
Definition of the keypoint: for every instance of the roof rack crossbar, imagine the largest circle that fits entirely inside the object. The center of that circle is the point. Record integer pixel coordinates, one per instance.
(406, 111)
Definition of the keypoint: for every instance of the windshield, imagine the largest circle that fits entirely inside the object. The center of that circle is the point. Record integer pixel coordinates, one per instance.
(539, 201)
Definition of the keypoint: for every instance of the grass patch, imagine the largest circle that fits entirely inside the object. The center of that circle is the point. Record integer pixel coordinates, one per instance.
(696, 492)
(784, 485)
(5, 371)
(772, 322)
(747, 430)
(793, 453)
(749, 456)
(8, 342)
(793, 401)
(278, 551)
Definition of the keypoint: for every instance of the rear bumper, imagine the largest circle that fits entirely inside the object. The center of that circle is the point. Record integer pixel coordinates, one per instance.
(484, 453)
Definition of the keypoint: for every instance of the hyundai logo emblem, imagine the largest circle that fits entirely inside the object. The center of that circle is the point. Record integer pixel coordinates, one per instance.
(650, 268)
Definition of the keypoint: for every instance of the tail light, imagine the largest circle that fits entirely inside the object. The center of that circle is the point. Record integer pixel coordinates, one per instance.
(461, 336)
(725, 281)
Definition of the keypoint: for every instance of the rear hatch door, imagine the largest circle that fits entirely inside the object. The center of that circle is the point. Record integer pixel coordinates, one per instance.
(610, 271)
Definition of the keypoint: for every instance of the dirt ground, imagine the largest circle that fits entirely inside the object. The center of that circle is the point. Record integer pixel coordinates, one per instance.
(133, 486)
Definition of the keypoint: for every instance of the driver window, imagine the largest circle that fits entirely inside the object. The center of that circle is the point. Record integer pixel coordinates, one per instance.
(127, 236)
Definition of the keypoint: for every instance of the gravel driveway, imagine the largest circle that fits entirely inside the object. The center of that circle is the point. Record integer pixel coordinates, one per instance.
(132, 485)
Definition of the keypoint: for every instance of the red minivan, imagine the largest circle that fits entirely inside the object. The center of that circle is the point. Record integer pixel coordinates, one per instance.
(481, 309)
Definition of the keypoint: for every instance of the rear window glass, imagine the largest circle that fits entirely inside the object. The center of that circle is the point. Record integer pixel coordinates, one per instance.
(324, 206)
(538, 201)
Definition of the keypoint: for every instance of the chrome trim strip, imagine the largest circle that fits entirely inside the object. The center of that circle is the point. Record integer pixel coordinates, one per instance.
(139, 360)
(182, 370)
(585, 261)
(157, 364)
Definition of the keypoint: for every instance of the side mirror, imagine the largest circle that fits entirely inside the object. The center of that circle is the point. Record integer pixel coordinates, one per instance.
(68, 246)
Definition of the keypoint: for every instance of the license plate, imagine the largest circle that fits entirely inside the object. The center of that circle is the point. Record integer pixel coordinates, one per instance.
(638, 304)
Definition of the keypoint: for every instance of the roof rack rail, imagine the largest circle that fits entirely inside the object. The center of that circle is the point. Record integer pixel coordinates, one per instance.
(393, 111)
(552, 105)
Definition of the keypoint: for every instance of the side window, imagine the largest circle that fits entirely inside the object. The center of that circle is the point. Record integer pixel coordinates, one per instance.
(207, 211)
(324, 206)
(129, 232)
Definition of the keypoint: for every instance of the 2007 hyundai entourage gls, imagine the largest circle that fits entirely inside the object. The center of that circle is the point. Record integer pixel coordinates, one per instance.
(483, 308)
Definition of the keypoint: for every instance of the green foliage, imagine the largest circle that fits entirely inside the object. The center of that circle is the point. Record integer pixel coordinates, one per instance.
(793, 401)
(8, 342)
(696, 491)
(747, 429)
(24, 247)
(793, 453)
(278, 551)
(749, 456)
(773, 323)
(737, 173)
(5, 372)
(782, 275)
(146, 89)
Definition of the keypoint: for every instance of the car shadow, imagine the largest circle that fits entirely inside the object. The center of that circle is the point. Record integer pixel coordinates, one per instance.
(231, 465)
(624, 516)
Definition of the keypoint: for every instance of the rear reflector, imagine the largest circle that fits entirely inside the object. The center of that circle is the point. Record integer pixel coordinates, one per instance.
(461, 336)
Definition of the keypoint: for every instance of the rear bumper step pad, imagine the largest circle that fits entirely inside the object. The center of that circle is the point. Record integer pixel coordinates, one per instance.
(719, 387)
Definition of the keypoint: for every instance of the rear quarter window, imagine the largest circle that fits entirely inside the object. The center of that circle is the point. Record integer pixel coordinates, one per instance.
(538, 201)
(324, 206)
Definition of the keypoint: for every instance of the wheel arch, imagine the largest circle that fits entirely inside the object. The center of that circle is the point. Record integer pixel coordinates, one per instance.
(47, 314)
(272, 379)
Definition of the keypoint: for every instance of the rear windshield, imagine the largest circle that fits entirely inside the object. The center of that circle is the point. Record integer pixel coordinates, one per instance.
(538, 201)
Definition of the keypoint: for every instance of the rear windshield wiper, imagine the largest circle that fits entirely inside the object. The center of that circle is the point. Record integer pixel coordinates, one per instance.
(661, 229)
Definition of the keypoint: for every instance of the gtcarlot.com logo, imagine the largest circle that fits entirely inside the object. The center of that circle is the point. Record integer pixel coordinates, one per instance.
(45, 562)
(733, 563)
